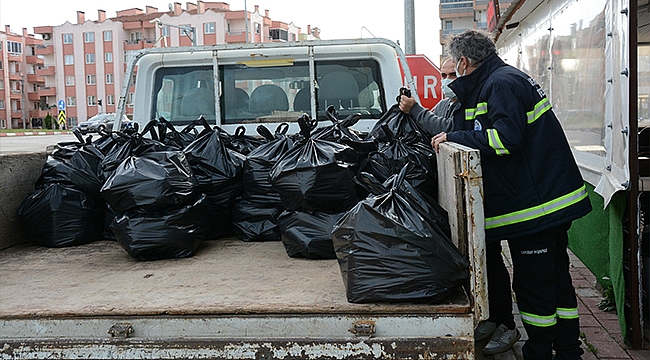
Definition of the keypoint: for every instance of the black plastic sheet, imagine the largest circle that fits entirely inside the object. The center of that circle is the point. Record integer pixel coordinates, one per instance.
(175, 233)
(391, 250)
(154, 181)
(57, 215)
(308, 235)
(316, 175)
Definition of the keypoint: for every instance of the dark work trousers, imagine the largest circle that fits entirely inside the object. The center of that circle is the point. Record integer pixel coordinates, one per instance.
(498, 281)
(545, 295)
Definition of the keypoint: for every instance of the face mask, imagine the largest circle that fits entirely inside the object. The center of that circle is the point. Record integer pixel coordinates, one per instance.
(449, 93)
(458, 74)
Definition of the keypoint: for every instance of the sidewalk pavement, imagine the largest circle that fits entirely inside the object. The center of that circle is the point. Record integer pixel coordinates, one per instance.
(600, 331)
(34, 132)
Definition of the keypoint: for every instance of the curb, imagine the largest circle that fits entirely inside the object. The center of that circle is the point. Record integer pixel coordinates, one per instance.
(34, 133)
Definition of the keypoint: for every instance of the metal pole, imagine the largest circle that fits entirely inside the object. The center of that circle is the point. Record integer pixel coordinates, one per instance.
(246, 19)
(409, 27)
(22, 98)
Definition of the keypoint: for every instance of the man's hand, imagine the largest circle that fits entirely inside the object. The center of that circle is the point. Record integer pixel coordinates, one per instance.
(436, 140)
(406, 103)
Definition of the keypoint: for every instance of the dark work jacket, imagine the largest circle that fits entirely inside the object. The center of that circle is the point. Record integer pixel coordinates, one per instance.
(531, 181)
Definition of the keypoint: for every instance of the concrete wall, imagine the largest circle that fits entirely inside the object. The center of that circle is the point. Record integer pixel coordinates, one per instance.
(18, 174)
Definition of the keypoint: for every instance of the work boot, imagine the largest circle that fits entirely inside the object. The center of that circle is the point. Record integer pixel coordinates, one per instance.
(484, 329)
(502, 340)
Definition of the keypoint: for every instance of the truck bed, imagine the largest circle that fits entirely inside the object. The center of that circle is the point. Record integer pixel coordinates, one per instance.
(224, 277)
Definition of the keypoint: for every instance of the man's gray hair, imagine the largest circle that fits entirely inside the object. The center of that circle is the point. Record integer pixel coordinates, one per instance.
(475, 45)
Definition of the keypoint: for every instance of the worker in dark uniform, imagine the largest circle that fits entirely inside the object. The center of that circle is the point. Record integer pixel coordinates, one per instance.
(532, 186)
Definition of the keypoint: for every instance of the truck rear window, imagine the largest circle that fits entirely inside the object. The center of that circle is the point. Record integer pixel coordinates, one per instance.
(268, 94)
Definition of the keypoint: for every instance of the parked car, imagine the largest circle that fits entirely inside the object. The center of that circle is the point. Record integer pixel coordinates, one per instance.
(101, 122)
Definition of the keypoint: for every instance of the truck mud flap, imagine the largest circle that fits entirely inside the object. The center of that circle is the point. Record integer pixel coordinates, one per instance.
(284, 349)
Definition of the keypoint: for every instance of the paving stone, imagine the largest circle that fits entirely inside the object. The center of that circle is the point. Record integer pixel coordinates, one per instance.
(610, 350)
(589, 292)
(639, 354)
(589, 321)
(595, 334)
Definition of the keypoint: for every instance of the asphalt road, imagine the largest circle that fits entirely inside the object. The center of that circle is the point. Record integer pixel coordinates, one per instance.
(31, 143)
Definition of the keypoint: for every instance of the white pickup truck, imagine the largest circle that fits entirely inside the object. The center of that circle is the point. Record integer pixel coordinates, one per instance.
(234, 299)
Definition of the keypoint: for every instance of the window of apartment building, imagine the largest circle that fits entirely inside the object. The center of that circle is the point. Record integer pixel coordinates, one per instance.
(108, 35)
(449, 24)
(257, 28)
(69, 80)
(67, 38)
(129, 99)
(109, 78)
(135, 37)
(0, 48)
(108, 57)
(71, 101)
(2, 104)
(89, 37)
(164, 31)
(279, 34)
(0, 61)
(208, 28)
(68, 59)
(3, 123)
(90, 58)
(110, 100)
(14, 47)
(92, 100)
(228, 26)
(2, 84)
(91, 79)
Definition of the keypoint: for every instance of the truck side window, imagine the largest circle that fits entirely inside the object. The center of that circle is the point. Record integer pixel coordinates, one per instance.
(183, 94)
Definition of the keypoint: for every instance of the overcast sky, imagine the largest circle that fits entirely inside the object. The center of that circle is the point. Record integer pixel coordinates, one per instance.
(337, 19)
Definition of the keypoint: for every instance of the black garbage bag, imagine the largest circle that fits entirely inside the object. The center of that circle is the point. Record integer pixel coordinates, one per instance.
(75, 164)
(154, 181)
(399, 151)
(57, 215)
(118, 146)
(257, 187)
(256, 221)
(399, 124)
(391, 250)
(218, 171)
(316, 175)
(341, 131)
(174, 233)
(180, 139)
(308, 235)
(239, 141)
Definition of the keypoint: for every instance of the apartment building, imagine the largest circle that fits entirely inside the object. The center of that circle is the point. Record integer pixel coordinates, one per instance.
(21, 79)
(83, 63)
(459, 15)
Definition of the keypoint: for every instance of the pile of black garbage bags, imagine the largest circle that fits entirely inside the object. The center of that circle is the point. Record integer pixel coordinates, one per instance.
(328, 192)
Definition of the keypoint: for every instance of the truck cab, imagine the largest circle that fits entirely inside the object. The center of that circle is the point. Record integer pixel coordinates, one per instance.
(267, 83)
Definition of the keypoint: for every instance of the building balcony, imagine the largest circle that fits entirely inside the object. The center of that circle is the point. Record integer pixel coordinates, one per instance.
(14, 76)
(35, 78)
(16, 113)
(480, 4)
(16, 95)
(235, 37)
(38, 113)
(44, 50)
(138, 44)
(33, 96)
(456, 10)
(45, 71)
(35, 60)
(445, 33)
(47, 91)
